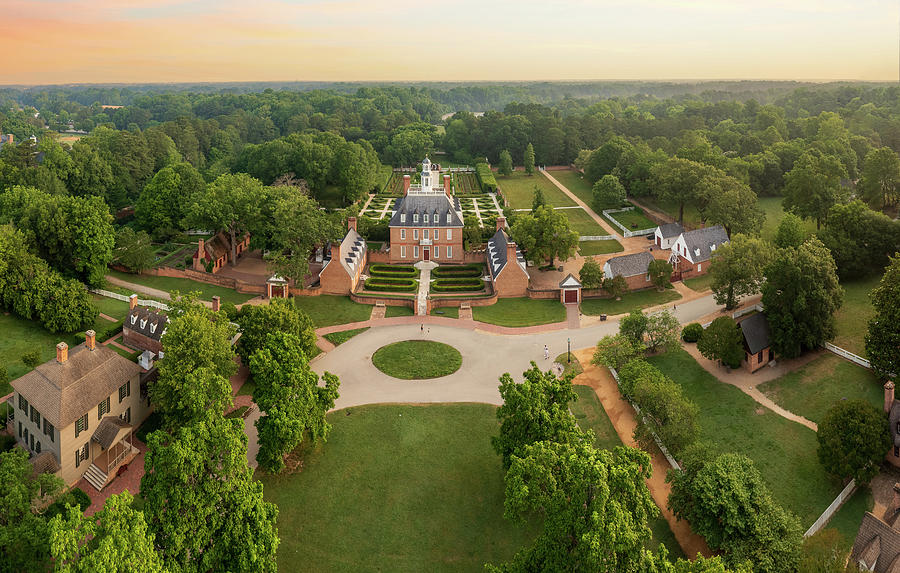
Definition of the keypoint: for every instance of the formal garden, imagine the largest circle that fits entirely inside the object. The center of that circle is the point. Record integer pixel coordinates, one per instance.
(417, 359)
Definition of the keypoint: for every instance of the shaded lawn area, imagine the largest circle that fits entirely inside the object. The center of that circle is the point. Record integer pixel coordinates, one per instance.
(328, 310)
(122, 352)
(784, 452)
(633, 220)
(518, 189)
(699, 284)
(670, 208)
(184, 286)
(246, 388)
(629, 302)
(417, 359)
(583, 223)
(589, 248)
(331, 197)
(398, 488)
(391, 311)
(591, 416)
(446, 311)
(813, 389)
(520, 312)
(849, 517)
(110, 306)
(774, 213)
(576, 183)
(852, 319)
(338, 338)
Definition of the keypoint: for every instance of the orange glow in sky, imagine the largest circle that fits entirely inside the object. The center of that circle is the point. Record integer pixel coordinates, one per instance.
(88, 41)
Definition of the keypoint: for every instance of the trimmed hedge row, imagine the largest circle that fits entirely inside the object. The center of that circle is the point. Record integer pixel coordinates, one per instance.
(103, 334)
(391, 285)
(388, 275)
(396, 269)
(458, 271)
(457, 285)
(486, 177)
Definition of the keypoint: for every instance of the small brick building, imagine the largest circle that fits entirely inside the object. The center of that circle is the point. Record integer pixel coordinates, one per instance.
(143, 328)
(341, 272)
(218, 251)
(633, 267)
(509, 272)
(757, 341)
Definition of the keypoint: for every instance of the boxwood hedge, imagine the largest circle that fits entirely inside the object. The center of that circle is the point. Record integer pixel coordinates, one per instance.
(486, 177)
(457, 285)
(385, 284)
(458, 271)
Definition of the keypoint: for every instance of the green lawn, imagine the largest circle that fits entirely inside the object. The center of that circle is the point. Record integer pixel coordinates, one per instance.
(391, 311)
(852, 320)
(591, 416)
(633, 220)
(774, 213)
(576, 183)
(328, 310)
(520, 312)
(699, 284)
(110, 306)
(629, 302)
(518, 189)
(783, 451)
(398, 488)
(122, 352)
(246, 388)
(583, 223)
(849, 517)
(446, 311)
(168, 284)
(417, 359)
(571, 365)
(670, 208)
(338, 338)
(813, 389)
(589, 248)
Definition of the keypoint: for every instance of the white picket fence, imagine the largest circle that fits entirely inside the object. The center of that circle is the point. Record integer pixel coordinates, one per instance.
(656, 439)
(198, 232)
(596, 237)
(831, 509)
(848, 355)
(126, 298)
(626, 232)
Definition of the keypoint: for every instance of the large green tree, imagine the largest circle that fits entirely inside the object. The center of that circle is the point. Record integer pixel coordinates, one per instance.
(533, 410)
(529, 159)
(879, 184)
(860, 239)
(721, 341)
(733, 205)
(738, 268)
(505, 166)
(280, 315)
(231, 203)
(853, 439)
(203, 506)
(634, 326)
(665, 412)
(790, 232)
(801, 293)
(813, 186)
(607, 193)
(164, 205)
(681, 181)
(289, 394)
(133, 250)
(113, 540)
(663, 331)
(615, 351)
(591, 274)
(544, 235)
(883, 336)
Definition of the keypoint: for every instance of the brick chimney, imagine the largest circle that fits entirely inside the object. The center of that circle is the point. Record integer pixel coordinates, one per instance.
(335, 252)
(201, 253)
(501, 223)
(406, 182)
(132, 302)
(62, 352)
(510, 252)
(90, 339)
(216, 303)
(888, 396)
(447, 185)
(351, 223)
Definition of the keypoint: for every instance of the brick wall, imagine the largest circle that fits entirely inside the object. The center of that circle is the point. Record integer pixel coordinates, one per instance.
(138, 340)
(545, 294)
(512, 281)
(410, 242)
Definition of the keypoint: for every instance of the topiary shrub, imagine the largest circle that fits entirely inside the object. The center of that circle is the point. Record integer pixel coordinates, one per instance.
(31, 358)
(692, 332)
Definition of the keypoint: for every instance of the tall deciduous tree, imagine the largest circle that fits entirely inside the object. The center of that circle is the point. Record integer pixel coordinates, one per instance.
(662, 331)
(591, 274)
(202, 504)
(883, 337)
(790, 232)
(534, 410)
(615, 286)
(860, 239)
(603, 160)
(166, 200)
(666, 412)
(813, 186)
(680, 181)
(738, 268)
(733, 205)
(853, 439)
(280, 315)
(505, 166)
(660, 272)
(721, 341)
(634, 326)
(113, 539)
(801, 293)
(133, 250)
(879, 184)
(608, 193)
(529, 159)
(231, 203)
(288, 392)
(615, 351)
(545, 235)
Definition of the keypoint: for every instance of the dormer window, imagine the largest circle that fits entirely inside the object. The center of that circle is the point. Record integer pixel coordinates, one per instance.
(712, 248)
(415, 217)
(133, 318)
(426, 217)
(402, 217)
(143, 323)
(448, 218)
(697, 252)
(152, 328)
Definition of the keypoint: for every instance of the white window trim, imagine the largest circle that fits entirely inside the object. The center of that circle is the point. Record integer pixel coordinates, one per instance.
(449, 234)
(425, 217)
(415, 251)
(449, 252)
(437, 234)
(402, 217)
(415, 234)
(403, 251)
(437, 251)
(699, 268)
(415, 217)
(425, 233)
(403, 234)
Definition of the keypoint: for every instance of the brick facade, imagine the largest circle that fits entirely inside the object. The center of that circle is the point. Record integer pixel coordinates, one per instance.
(408, 241)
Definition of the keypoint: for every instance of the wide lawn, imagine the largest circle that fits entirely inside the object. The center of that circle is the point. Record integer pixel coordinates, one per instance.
(583, 223)
(417, 359)
(591, 416)
(392, 311)
(518, 189)
(699, 284)
(520, 312)
(328, 310)
(446, 311)
(813, 389)
(110, 306)
(852, 320)
(784, 452)
(184, 286)
(633, 220)
(629, 302)
(589, 248)
(338, 338)
(774, 213)
(398, 488)
(576, 183)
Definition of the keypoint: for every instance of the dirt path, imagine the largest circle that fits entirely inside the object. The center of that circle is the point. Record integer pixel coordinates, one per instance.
(656, 213)
(622, 416)
(155, 292)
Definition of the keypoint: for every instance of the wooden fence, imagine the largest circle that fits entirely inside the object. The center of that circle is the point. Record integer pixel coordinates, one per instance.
(831, 509)
(625, 232)
(847, 355)
(596, 237)
(126, 298)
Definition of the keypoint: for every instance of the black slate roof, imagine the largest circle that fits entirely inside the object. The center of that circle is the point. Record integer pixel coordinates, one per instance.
(630, 265)
(421, 205)
(147, 322)
(496, 252)
(755, 329)
(670, 230)
(877, 545)
(702, 240)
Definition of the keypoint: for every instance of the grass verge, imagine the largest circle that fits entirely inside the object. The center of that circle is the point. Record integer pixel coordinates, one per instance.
(417, 359)
(184, 286)
(589, 248)
(629, 302)
(517, 312)
(338, 338)
(328, 310)
(518, 189)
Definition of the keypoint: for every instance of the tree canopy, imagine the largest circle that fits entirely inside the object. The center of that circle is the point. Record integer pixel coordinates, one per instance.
(853, 439)
(883, 336)
(738, 269)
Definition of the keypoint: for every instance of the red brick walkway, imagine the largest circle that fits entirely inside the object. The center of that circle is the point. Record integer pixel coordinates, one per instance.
(129, 480)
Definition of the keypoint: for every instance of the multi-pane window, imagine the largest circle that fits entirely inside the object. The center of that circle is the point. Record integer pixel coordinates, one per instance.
(49, 430)
(449, 252)
(124, 391)
(403, 234)
(437, 252)
(402, 217)
(437, 235)
(126, 415)
(23, 404)
(425, 236)
(402, 251)
(415, 234)
(35, 416)
(81, 425)
(415, 217)
(102, 408)
(449, 234)
(416, 252)
(425, 220)
(448, 217)
(81, 454)
(37, 447)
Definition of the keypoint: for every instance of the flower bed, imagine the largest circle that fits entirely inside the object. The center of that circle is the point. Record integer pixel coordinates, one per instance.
(386, 284)
(458, 271)
(457, 285)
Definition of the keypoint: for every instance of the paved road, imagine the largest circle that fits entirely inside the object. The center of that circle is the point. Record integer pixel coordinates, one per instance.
(485, 357)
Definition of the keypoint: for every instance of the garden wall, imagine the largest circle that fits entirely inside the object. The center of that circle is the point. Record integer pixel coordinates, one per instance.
(452, 301)
(543, 294)
(208, 278)
(372, 299)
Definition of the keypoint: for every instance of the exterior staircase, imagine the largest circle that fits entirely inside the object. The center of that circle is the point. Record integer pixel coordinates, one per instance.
(96, 477)
(424, 285)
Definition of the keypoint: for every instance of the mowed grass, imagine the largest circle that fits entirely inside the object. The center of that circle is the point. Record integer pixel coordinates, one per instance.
(699, 284)
(446, 311)
(590, 248)
(576, 183)
(398, 488)
(583, 223)
(852, 319)
(774, 213)
(849, 517)
(518, 189)
(784, 452)
(184, 286)
(417, 359)
(338, 338)
(589, 413)
(520, 312)
(110, 306)
(328, 310)
(392, 311)
(813, 389)
(629, 302)
(633, 220)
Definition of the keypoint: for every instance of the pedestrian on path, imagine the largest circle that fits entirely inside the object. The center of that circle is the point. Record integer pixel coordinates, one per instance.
(422, 329)
(546, 352)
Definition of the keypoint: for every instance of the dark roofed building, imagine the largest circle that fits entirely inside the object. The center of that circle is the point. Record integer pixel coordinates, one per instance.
(507, 266)
(143, 328)
(628, 265)
(757, 341)
(217, 251)
(342, 270)
(877, 544)
(666, 234)
(692, 250)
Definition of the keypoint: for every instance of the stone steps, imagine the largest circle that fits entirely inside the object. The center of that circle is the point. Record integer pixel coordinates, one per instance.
(96, 477)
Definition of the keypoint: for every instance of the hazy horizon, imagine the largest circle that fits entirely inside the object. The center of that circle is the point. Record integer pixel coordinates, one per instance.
(62, 42)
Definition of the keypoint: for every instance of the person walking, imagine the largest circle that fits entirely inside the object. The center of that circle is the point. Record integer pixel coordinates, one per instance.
(546, 352)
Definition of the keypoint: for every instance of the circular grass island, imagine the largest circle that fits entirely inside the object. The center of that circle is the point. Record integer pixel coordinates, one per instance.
(417, 359)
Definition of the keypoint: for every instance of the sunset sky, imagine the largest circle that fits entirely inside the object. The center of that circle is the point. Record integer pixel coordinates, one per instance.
(83, 41)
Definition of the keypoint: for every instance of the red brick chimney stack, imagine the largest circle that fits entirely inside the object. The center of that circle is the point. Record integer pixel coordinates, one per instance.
(510, 252)
(62, 352)
(501, 223)
(90, 339)
(335, 252)
(406, 182)
(888, 396)
(217, 302)
(447, 185)
(351, 223)
(132, 302)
